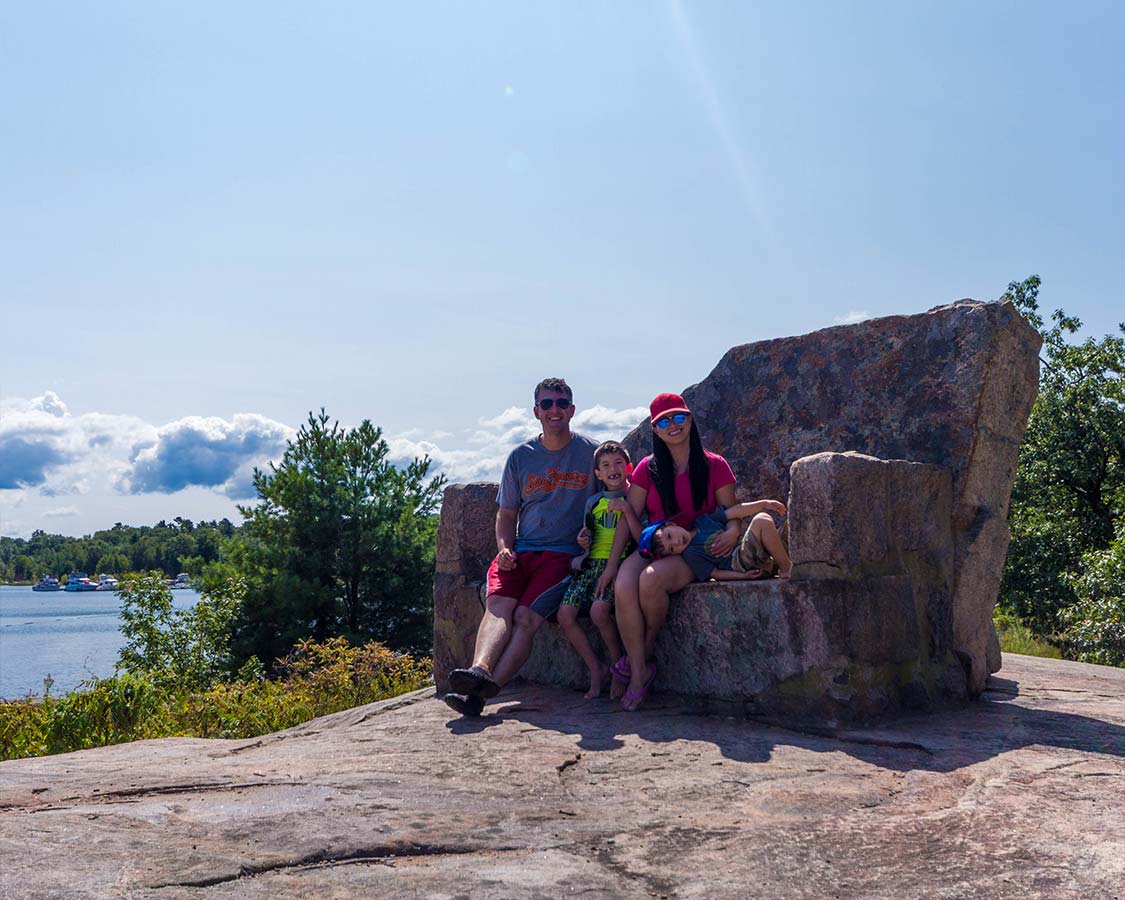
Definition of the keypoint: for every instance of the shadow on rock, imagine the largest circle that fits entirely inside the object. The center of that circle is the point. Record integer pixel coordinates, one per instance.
(943, 742)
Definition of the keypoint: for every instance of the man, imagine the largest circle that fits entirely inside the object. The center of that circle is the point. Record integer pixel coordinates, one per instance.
(543, 492)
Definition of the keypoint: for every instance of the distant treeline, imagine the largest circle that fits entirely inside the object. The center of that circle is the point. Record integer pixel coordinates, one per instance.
(177, 546)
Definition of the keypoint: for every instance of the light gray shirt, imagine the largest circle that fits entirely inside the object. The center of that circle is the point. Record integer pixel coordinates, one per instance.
(549, 490)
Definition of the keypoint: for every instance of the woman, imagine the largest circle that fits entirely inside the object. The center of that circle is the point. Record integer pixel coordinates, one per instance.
(679, 482)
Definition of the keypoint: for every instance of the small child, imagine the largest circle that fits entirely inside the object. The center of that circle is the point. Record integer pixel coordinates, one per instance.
(761, 552)
(612, 467)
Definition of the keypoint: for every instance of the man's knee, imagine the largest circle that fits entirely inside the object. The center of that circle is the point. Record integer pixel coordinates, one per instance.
(500, 606)
(527, 620)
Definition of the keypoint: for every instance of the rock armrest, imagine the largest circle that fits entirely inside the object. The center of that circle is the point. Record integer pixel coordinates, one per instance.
(853, 516)
(466, 543)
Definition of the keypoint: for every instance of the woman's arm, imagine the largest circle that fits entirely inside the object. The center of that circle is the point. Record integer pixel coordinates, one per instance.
(745, 510)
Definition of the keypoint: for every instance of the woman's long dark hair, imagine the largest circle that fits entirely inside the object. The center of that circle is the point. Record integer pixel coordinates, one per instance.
(662, 469)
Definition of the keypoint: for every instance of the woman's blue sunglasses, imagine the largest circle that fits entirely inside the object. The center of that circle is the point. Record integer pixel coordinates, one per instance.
(665, 421)
(548, 402)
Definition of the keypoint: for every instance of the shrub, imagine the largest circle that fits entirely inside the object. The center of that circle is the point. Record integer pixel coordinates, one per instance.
(1016, 637)
(1095, 625)
(315, 680)
(114, 710)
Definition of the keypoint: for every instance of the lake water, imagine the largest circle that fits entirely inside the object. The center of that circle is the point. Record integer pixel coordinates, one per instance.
(70, 636)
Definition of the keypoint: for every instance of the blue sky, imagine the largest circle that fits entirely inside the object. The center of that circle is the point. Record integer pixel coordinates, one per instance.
(219, 217)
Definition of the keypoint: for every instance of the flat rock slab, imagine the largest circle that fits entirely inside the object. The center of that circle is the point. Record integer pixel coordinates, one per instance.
(1019, 795)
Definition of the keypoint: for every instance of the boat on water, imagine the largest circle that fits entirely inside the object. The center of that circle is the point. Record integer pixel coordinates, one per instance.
(47, 583)
(80, 581)
(107, 583)
(182, 582)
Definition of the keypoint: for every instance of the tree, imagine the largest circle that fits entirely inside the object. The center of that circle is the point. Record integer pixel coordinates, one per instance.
(339, 544)
(1095, 625)
(23, 568)
(113, 562)
(176, 648)
(1069, 493)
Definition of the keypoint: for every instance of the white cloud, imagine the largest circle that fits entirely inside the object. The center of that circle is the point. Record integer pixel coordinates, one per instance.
(43, 446)
(206, 451)
(853, 316)
(62, 512)
(122, 466)
(494, 437)
(49, 403)
(604, 424)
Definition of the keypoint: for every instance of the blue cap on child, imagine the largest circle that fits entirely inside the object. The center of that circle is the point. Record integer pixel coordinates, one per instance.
(644, 545)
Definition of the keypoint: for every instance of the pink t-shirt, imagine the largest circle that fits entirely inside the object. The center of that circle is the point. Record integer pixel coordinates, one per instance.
(720, 476)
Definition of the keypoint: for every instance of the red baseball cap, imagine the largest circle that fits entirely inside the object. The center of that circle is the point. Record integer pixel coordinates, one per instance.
(663, 404)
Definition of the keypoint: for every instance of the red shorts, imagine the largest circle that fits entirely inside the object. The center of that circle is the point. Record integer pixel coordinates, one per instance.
(536, 573)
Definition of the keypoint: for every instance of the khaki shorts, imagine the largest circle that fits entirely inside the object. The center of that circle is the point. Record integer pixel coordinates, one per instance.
(752, 555)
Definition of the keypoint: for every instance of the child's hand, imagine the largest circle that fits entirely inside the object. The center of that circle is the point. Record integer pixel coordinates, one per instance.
(617, 505)
(506, 560)
(606, 581)
(584, 538)
(776, 506)
(724, 544)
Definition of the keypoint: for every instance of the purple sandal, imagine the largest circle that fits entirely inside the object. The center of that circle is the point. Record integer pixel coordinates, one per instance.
(621, 670)
(632, 701)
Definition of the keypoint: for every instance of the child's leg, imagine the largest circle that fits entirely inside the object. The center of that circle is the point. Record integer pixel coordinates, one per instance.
(766, 532)
(599, 612)
(568, 621)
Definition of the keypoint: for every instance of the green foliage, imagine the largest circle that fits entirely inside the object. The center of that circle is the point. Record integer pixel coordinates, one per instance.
(341, 543)
(127, 707)
(176, 648)
(121, 548)
(1069, 490)
(23, 728)
(1095, 624)
(317, 679)
(1016, 637)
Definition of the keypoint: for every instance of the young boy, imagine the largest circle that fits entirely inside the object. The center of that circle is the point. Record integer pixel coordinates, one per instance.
(612, 467)
(761, 553)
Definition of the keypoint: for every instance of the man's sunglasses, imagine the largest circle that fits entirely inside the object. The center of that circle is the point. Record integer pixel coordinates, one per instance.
(665, 421)
(548, 403)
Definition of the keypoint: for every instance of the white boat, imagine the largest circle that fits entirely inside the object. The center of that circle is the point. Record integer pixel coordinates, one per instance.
(47, 583)
(107, 583)
(80, 581)
(182, 582)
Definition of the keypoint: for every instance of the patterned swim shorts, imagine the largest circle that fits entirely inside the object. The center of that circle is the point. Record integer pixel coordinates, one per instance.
(580, 591)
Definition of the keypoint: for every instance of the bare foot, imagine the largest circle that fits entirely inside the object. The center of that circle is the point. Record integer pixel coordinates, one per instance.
(597, 679)
(617, 689)
(786, 573)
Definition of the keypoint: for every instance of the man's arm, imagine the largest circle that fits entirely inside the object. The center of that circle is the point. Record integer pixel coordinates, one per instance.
(506, 538)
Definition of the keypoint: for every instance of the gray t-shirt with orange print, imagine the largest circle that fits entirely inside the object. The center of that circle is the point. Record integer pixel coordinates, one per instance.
(549, 490)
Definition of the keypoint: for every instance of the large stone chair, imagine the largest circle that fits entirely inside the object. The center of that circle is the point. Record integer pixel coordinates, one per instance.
(894, 442)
